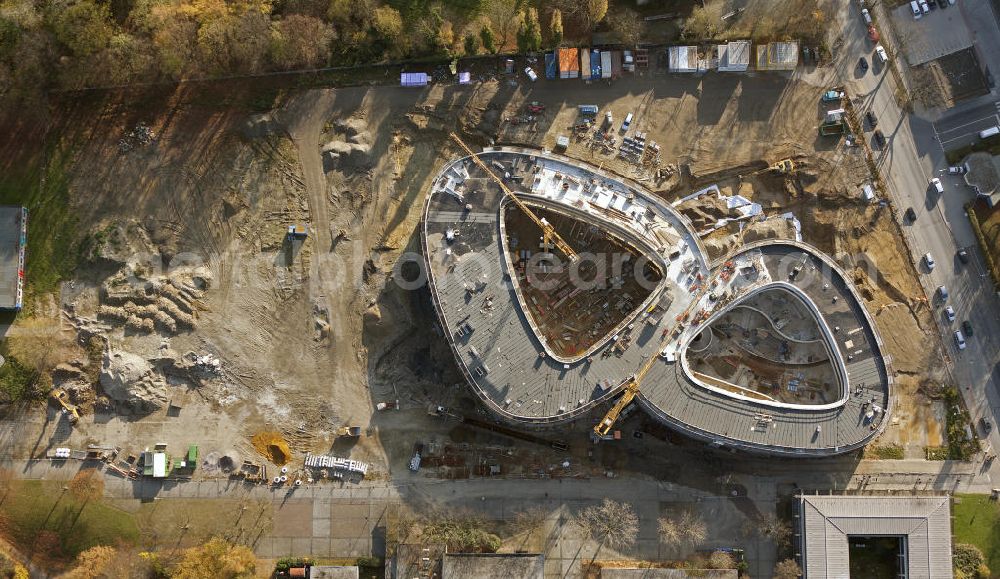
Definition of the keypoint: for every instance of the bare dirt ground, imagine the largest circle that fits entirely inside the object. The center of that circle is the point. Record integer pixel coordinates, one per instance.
(310, 335)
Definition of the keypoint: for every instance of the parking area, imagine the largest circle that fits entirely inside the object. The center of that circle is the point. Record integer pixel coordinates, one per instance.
(938, 33)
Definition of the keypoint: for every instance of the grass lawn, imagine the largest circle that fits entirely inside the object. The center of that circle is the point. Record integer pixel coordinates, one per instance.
(976, 520)
(40, 518)
(190, 522)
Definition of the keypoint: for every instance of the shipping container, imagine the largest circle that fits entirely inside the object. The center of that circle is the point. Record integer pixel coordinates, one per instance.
(585, 63)
(606, 64)
(413, 79)
(569, 66)
(595, 64)
(551, 71)
(616, 63)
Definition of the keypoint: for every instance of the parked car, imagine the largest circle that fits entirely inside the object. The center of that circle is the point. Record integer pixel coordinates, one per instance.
(986, 424)
(863, 64)
(942, 4)
(924, 7)
(929, 260)
(959, 340)
(957, 170)
(535, 107)
(882, 56)
(910, 214)
(873, 34)
(879, 139)
(627, 123)
(963, 255)
(949, 312)
(936, 184)
(866, 15)
(832, 95)
(942, 293)
(872, 119)
(531, 74)
(915, 8)
(967, 328)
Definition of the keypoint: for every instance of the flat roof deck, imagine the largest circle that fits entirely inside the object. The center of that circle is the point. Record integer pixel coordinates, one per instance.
(11, 254)
(513, 371)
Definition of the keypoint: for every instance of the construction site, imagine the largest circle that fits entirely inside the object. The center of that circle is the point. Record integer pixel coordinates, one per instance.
(251, 286)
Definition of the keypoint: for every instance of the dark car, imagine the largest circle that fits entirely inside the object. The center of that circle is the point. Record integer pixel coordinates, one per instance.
(967, 328)
(963, 256)
(910, 214)
(942, 3)
(879, 139)
(986, 424)
(863, 63)
(872, 119)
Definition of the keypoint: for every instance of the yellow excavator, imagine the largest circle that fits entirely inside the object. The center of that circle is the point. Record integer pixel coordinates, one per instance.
(549, 234)
(61, 397)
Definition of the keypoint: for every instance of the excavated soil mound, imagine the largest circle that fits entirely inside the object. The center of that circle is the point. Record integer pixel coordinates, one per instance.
(272, 446)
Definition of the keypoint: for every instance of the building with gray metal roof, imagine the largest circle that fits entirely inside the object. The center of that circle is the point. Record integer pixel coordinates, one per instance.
(828, 523)
(13, 238)
(476, 272)
(492, 566)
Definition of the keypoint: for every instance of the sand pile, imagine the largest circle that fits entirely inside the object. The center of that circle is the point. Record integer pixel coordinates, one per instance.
(130, 379)
(272, 446)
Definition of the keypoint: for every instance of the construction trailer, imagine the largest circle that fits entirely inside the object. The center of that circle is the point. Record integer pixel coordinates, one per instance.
(569, 63)
(585, 64)
(551, 70)
(13, 243)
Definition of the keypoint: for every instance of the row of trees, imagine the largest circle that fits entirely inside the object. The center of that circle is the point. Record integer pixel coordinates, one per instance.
(77, 43)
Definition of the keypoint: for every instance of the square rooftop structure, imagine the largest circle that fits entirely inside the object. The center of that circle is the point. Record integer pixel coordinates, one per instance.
(491, 565)
(683, 58)
(734, 56)
(778, 55)
(828, 522)
(13, 240)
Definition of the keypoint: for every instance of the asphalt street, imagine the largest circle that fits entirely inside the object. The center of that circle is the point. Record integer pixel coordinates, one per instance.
(962, 127)
(913, 155)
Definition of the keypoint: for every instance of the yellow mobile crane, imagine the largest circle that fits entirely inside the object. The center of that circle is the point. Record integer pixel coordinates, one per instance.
(549, 233)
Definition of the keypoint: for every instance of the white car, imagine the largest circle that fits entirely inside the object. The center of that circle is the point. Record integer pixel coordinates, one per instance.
(915, 8)
(936, 184)
(866, 15)
(882, 56)
(924, 7)
(949, 313)
(531, 74)
(959, 170)
(929, 261)
(959, 340)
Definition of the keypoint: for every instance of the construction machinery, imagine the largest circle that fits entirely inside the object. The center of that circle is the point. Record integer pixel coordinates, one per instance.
(634, 381)
(549, 234)
(61, 397)
(351, 431)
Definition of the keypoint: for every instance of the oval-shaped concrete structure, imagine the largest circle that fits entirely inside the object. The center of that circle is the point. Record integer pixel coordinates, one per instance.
(478, 273)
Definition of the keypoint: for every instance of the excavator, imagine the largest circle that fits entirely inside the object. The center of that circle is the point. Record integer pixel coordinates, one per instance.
(549, 234)
(61, 397)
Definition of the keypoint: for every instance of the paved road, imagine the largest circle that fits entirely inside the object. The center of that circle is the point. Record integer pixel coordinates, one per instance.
(912, 156)
(962, 127)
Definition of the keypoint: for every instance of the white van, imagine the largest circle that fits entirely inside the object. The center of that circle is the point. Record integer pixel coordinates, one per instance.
(989, 132)
(882, 56)
(915, 8)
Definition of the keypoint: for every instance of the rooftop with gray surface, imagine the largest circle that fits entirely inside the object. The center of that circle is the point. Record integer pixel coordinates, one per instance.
(476, 292)
(827, 523)
(11, 256)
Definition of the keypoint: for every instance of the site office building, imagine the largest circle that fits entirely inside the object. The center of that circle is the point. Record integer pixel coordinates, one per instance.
(13, 242)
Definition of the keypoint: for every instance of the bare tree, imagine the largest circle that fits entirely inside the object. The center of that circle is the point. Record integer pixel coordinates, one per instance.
(686, 529)
(504, 17)
(627, 24)
(787, 569)
(528, 520)
(610, 523)
(704, 22)
(770, 526)
(721, 560)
